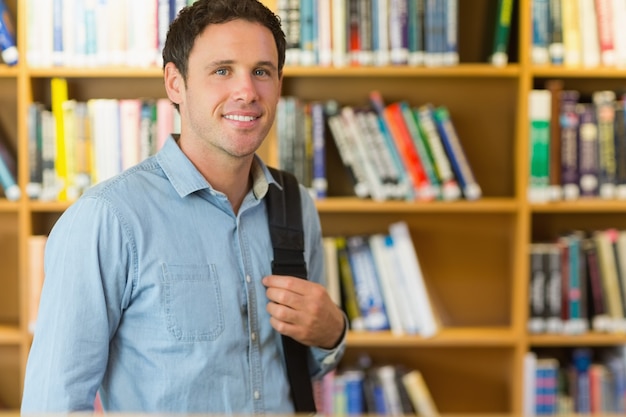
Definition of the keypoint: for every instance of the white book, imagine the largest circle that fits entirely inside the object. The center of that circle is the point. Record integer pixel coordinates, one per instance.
(414, 278)
(130, 120)
(606, 41)
(394, 305)
(324, 40)
(619, 32)
(339, 32)
(529, 384)
(590, 47)
(358, 141)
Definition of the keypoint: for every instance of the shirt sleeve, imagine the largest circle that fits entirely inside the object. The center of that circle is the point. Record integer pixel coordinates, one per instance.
(86, 270)
(323, 360)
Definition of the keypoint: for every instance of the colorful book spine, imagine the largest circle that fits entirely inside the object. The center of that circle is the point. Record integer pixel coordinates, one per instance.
(456, 154)
(555, 189)
(35, 158)
(416, 32)
(59, 93)
(588, 148)
(620, 147)
(606, 40)
(539, 131)
(318, 124)
(398, 39)
(568, 120)
(502, 29)
(540, 34)
(556, 49)
(8, 46)
(604, 102)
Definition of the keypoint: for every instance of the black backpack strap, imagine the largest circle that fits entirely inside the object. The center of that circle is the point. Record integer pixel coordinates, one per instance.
(285, 222)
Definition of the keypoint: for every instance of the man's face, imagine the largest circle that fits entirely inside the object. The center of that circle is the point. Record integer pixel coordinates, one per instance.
(232, 88)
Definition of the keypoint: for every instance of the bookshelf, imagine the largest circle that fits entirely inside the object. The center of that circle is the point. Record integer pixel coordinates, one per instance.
(473, 254)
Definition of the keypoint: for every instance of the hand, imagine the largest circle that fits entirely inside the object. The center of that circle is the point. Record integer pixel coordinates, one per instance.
(304, 311)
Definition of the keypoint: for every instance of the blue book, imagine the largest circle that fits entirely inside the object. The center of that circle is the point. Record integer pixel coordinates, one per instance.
(318, 125)
(8, 47)
(8, 172)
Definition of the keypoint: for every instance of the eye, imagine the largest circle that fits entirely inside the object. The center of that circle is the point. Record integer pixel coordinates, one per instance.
(221, 71)
(261, 72)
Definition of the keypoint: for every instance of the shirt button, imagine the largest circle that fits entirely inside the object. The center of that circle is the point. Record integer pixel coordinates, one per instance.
(253, 336)
(247, 278)
(256, 395)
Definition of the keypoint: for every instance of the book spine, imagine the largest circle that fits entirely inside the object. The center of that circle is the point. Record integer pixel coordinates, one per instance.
(308, 36)
(539, 130)
(380, 30)
(571, 32)
(340, 33)
(605, 118)
(620, 147)
(553, 293)
(58, 87)
(35, 168)
(415, 32)
(538, 279)
(456, 154)
(500, 50)
(350, 303)
(451, 27)
(324, 31)
(398, 32)
(588, 148)
(57, 32)
(540, 39)
(590, 45)
(366, 52)
(555, 189)
(8, 46)
(318, 120)
(598, 315)
(402, 137)
(604, 17)
(619, 32)
(568, 120)
(556, 48)
(450, 189)
(366, 284)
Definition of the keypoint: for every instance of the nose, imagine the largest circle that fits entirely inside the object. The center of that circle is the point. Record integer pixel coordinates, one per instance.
(245, 88)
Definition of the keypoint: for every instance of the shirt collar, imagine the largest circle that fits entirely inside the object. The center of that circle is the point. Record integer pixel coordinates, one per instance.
(186, 179)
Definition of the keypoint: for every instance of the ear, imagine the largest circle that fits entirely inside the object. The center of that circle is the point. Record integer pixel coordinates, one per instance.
(174, 84)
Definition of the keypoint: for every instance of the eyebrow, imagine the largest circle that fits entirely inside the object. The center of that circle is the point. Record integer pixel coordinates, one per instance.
(231, 62)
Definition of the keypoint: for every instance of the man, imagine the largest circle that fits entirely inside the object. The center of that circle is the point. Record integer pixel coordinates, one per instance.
(158, 289)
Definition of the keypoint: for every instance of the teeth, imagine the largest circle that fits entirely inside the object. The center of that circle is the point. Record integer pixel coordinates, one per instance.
(240, 118)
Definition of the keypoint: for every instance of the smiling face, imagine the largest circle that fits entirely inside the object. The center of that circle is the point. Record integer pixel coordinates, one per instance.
(228, 101)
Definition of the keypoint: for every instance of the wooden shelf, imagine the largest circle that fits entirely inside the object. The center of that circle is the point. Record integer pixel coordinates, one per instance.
(448, 337)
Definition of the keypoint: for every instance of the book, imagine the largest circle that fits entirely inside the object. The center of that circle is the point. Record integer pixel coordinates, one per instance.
(348, 292)
(619, 35)
(450, 189)
(8, 169)
(597, 309)
(620, 147)
(415, 32)
(588, 148)
(319, 183)
(529, 383)
(609, 275)
(539, 111)
(553, 290)
(556, 48)
(394, 304)
(398, 26)
(324, 32)
(458, 159)
(36, 247)
(603, 102)
(420, 394)
(59, 95)
(502, 28)
(387, 376)
(367, 284)
(339, 13)
(606, 40)
(555, 189)
(568, 120)
(540, 34)
(451, 33)
(35, 147)
(413, 278)
(8, 46)
(331, 269)
(394, 118)
(572, 42)
(538, 280)
(590, 45)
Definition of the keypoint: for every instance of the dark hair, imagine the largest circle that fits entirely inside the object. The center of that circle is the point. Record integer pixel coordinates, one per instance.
(192, 20)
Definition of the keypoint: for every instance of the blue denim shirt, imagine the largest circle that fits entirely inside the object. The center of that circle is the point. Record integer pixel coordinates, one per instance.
(153, 295)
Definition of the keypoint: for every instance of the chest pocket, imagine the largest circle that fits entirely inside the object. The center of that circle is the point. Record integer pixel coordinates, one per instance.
(192, 302)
